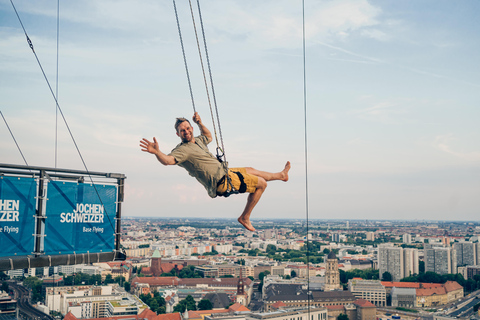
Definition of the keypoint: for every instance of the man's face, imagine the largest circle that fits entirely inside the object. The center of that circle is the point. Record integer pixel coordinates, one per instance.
(185, 131)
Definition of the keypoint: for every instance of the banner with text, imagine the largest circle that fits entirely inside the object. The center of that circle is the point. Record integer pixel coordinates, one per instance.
(17, 211)
(77, 221)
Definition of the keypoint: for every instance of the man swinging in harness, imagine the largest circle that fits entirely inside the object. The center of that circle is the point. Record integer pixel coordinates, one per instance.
(193, 155)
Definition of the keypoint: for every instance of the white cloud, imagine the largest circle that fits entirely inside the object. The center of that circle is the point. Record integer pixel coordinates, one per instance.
(447, 142)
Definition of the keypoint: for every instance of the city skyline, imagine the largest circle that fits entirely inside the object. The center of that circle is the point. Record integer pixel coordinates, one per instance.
(391, 102)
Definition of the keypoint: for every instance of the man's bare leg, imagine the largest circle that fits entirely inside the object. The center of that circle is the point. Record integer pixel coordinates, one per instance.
(252, 201)
(268, 176)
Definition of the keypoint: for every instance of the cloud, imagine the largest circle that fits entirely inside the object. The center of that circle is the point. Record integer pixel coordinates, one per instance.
(444, 143)
(384, 112)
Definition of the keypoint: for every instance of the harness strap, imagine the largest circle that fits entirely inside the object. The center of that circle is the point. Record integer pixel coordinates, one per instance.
(243, 185)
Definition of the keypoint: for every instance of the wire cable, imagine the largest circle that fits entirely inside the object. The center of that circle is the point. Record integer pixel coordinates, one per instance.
(61, 113)
(211, 81)
(184, 56)
(56, 84)
(306, 152)
(203, 70)
(11, 133)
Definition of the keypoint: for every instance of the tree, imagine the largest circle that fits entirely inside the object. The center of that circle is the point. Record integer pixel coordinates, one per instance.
(35, 285)
(119, 279)
(188, 303)
(421, 266)
(342, 316)
(475, 307)
(293, 274)
(127, 286)
(205, 304)
(387, 276)
(5, 287)
(108, 279)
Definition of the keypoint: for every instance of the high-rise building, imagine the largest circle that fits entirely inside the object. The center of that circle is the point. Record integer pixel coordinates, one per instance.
(465, 254)
(335, 237)
(397, 261)
(407, 238)
(370, 236)
(438, 260)
(410, 260)
(390, 259)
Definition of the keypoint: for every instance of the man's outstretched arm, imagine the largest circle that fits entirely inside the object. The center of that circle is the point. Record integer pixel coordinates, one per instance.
(152, 147)
(203, 129)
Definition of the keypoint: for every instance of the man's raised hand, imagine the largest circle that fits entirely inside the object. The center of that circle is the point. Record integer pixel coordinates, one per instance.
(196, 118)
(148, 146)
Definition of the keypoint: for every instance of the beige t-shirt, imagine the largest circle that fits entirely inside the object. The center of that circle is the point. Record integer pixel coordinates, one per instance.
(200, 163)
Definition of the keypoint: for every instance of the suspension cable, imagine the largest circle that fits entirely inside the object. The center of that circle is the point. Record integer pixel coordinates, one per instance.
(221, 155)
(56, 84)
(203, 70)
(306, 152)
(11, 133)
(184, 56)
(211, 82)
(61, 112)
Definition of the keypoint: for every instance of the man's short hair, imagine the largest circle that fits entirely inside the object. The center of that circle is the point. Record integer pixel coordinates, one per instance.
(179, 121)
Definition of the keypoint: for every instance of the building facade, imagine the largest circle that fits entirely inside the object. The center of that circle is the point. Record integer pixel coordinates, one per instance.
(370, 290)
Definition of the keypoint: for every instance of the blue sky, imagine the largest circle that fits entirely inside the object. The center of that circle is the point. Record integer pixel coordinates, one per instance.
(392, 101)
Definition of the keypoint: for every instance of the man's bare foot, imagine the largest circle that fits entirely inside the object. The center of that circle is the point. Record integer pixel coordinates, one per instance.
(285, 171)
(246, 224)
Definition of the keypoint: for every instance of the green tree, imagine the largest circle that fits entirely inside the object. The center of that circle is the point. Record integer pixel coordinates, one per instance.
(387, 276)
(5, 287)
(127, 286)
(342, 316)
(120, 280)
(421, 266)
(205, 304)
(109, 279)
(188, 303)
(475, 307)
(293, 274)
(35, 285)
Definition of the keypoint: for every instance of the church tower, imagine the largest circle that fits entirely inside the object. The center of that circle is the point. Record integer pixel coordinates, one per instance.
(241, 297)
(156, 264)
(332, 275)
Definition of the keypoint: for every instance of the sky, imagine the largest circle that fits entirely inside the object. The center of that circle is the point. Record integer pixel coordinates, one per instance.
(392, 101)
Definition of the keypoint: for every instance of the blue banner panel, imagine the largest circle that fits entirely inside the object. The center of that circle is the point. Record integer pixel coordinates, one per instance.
(17, 211)
(77, 221)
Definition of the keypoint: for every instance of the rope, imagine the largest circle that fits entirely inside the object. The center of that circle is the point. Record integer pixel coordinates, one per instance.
(56, 83)
(211, 82)
(11, 133)
(184, 56)
(203, 70)
(306, 152)
(221, 156)
(61, 113)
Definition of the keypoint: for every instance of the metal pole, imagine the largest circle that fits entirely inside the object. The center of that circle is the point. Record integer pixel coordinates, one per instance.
(118, 231)
(39, 213)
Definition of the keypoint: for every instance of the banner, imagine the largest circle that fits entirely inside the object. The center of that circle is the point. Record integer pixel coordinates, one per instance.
(77, 221)
(17, 211)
